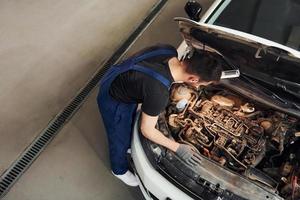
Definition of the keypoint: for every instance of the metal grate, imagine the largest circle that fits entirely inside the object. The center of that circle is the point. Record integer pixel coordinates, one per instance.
(13, 173)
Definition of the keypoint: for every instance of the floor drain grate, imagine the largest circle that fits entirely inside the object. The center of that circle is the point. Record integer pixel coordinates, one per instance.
(13, 173)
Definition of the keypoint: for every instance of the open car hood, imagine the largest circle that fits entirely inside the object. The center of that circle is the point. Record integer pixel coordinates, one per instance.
(244, 51)
(268, 64)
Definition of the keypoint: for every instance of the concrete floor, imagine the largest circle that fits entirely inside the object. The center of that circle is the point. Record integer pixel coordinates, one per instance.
(50, 49)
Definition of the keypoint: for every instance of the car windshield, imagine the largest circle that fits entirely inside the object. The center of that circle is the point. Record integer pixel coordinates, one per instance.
(276, 20)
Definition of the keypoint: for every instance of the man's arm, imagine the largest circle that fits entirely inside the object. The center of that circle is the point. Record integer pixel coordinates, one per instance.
(149, 131)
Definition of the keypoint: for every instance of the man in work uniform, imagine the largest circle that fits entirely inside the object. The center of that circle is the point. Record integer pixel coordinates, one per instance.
(146, 78)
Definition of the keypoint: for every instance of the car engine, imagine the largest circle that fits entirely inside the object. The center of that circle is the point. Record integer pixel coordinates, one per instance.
(238, 134)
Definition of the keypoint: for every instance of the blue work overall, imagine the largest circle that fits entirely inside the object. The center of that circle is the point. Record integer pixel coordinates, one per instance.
(118, 117)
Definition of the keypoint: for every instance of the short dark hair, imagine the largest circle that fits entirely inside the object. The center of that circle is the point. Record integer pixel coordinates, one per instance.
(204, 64)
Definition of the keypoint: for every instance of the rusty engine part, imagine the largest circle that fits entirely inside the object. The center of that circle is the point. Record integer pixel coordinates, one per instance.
(213, 126)
(237, 134)
(224, 127)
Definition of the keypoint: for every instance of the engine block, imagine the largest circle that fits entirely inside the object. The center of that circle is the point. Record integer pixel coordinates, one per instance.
(219, 127)
(238, 133)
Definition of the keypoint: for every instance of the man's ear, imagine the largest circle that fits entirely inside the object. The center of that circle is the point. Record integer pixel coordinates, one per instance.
(193, 79)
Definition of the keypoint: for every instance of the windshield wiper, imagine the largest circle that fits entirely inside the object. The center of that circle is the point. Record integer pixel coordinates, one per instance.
(266, 91)
(285, 102)
(287, 86)
(281, 83)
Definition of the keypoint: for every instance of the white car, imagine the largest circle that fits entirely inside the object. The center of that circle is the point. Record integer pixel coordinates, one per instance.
(246, 129)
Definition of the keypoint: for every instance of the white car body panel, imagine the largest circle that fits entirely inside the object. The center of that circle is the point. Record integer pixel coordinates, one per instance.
(152, 180)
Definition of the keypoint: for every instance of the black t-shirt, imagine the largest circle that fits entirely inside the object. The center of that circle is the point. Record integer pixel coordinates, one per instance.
(134, 86)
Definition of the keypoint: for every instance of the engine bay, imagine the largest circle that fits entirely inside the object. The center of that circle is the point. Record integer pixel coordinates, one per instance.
(238, 134)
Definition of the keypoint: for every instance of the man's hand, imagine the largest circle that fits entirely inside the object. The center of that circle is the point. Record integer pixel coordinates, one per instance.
(189, 155)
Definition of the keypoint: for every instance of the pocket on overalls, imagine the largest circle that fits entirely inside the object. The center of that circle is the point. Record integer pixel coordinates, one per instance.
(118, 112)
(123, 112)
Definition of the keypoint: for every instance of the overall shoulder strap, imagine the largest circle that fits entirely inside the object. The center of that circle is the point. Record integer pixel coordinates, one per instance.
(157, 52)
(150, 54)
(131, 64)
(153, 74)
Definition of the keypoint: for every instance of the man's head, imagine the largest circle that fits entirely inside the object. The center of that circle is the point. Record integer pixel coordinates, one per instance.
(203, 68)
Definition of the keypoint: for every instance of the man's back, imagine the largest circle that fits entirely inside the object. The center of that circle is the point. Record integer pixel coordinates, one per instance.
(135, 86)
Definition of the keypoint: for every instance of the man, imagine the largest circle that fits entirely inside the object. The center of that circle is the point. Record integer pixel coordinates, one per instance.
(146, 78)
